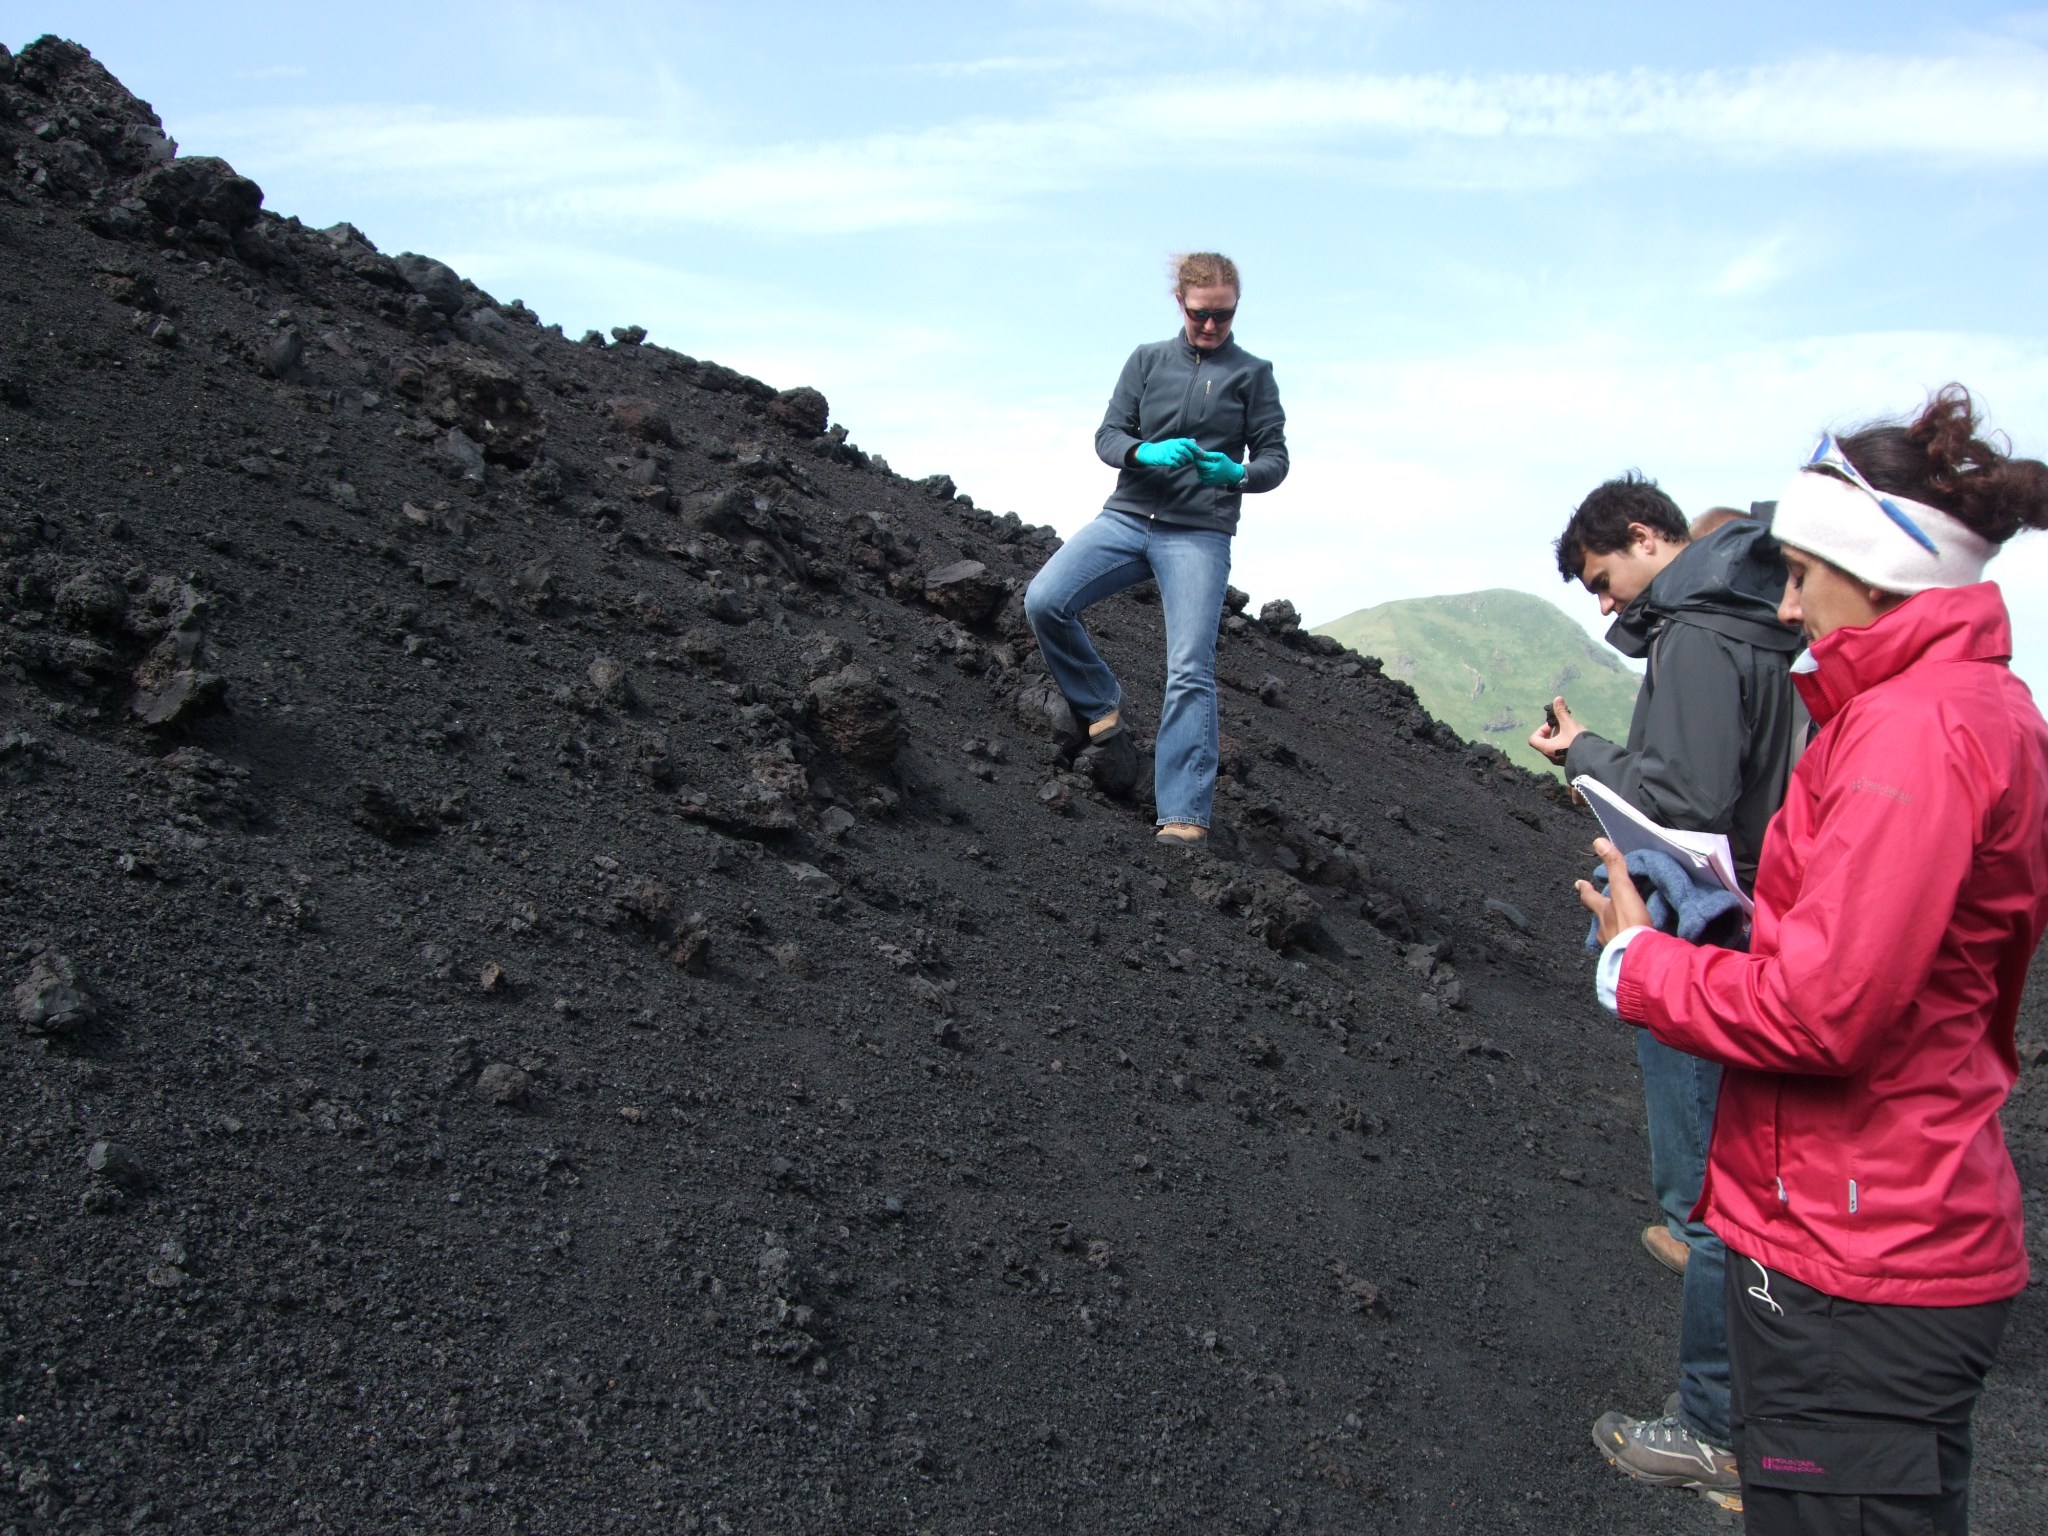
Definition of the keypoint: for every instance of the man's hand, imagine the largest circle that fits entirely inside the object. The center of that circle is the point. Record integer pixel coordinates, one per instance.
(1218, 469)
(1623, 905)
(1554, 743)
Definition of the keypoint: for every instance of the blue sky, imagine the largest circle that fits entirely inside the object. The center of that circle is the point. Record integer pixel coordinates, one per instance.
(1496, 252)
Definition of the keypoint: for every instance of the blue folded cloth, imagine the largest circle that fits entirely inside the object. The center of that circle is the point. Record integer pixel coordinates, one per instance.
(1678, 903)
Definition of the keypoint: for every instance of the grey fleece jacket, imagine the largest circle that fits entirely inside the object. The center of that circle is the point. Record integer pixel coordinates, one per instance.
(1225, 400)
(1717, 722)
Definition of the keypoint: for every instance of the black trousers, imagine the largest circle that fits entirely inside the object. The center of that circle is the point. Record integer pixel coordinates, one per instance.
(1849, 1418)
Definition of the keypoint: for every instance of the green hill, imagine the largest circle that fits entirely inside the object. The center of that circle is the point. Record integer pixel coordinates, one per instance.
(1485, 663)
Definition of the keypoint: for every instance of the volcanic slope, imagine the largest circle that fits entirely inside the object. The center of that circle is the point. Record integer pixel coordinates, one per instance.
(560, 981)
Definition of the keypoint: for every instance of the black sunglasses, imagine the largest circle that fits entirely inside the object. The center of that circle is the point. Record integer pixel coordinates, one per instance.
(1208, 316)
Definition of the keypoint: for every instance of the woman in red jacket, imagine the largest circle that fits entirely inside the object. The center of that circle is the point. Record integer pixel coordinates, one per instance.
(1858, 1173)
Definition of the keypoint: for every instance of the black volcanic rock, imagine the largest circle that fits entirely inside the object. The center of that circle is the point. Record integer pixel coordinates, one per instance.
(197, 193)
(51, 1000)
(803, 410)
(965, 590)
(432, 280)
(633, 1018)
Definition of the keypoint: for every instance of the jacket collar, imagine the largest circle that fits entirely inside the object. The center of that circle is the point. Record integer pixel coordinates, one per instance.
(1194, 353)
(1942, 624)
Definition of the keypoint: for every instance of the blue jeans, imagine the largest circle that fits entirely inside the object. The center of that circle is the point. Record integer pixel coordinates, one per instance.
(1680, 1092)
(1192, 567)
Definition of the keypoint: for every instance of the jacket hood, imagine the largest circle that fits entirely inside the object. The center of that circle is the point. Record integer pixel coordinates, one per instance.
(1940, 625)
(1730, 581)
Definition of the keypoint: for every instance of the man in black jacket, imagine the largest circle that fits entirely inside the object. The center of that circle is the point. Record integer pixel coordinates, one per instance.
(1709, 749)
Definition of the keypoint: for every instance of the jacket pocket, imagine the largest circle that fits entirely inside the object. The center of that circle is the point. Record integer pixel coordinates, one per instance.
(1877, 1459)
(1819, 1157)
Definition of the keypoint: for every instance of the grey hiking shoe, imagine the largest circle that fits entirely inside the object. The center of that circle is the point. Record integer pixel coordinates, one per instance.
(1665, 1454)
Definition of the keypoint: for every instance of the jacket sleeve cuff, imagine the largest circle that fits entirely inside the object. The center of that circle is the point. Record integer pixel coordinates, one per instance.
(1114, 447)
(1607, 975)
(1588, 754)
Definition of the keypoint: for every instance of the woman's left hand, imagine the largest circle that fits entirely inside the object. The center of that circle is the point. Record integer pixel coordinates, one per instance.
(1623, 905)
(1218, 469)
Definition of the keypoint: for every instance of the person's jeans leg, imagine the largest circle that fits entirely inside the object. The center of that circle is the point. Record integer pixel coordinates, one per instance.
(1193, 569)
(1679, 1093)
(1101, 560)
(1703, 1343)
(1674, 1086)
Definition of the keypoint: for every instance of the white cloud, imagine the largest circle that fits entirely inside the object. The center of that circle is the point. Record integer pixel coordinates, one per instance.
(1003, 64)
(1755, 269)
(1836, 104)
(1459, 130)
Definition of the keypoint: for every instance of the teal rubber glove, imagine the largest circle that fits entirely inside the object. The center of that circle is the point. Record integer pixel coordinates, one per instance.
(1171, 454)
(1218, 469)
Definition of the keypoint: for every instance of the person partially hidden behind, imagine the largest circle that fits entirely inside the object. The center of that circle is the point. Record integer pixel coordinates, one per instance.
(1713, 520)
(1709, 749)
(1859, 1174)
(1194, 424)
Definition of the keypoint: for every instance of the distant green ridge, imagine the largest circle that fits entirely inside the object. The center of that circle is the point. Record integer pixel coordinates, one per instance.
(1485, 663)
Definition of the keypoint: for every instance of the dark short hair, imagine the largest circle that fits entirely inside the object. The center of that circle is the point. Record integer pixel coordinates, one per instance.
(1600, 525)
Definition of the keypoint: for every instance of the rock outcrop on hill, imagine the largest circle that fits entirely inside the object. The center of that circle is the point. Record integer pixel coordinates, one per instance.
(565, 974)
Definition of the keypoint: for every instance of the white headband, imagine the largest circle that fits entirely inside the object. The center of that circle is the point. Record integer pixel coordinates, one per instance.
(1842, 524)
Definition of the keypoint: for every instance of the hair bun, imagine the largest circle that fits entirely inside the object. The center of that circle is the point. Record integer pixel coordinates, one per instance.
(1944, 458)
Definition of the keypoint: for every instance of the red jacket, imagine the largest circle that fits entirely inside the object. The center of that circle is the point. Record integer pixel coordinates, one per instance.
(1868, 1034)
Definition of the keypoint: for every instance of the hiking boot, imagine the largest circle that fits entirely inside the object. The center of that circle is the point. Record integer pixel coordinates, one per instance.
(1671, 1252)
(1665, 1454)
(1181, 834)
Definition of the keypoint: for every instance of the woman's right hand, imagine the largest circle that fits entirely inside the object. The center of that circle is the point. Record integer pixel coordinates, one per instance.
(1621, 905)
(1171, 454)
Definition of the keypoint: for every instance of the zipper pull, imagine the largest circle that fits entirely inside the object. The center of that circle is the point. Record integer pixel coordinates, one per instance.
(1205, 387)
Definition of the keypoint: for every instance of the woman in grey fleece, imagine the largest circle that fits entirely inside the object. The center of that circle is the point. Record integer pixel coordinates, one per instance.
(1195, 422)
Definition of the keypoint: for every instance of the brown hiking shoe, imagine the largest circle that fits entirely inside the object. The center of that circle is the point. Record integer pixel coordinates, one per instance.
(1667, 1250)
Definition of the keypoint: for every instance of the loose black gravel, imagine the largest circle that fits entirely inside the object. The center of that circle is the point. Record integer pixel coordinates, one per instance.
(559, 979)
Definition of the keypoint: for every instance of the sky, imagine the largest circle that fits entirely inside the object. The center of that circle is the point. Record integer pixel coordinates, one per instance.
(1497, 253)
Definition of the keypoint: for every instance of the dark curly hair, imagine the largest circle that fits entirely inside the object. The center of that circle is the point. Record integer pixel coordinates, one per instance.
(1942, 457)
(1600, 525)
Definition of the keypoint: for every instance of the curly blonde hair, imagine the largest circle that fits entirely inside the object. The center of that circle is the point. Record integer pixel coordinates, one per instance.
(1202, 269)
